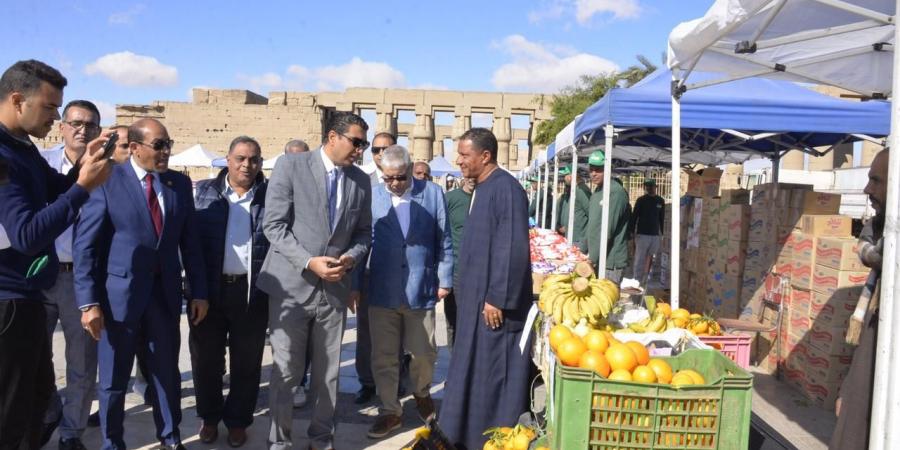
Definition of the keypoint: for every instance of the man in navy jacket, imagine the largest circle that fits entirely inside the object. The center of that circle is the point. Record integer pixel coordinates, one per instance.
(37, 204)
(230, 210)
(128, 278)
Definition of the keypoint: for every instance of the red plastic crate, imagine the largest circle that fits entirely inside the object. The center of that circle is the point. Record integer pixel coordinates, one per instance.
(735, 346)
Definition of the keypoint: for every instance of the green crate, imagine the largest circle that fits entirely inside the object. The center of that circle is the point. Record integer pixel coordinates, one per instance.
(591, 412)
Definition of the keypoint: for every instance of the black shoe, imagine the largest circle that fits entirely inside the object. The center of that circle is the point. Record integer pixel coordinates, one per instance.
(71, 444)
(94, 420)
(364, 395)
(169, 447)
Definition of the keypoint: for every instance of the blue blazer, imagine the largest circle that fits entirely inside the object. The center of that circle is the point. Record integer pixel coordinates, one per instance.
(116, 251)
(408, 271)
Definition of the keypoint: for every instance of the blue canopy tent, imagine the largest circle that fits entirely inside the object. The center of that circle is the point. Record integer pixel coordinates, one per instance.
(440, 167)
(722, 123)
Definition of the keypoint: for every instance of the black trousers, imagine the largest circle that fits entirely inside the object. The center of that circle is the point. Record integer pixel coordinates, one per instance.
(450, 315)
(240, 326)
(26, 373)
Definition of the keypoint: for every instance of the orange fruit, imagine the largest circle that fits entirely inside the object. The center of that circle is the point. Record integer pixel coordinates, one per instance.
(695, 316)
(620, 356)
(558, 334)
(643, 374)
(662, 369)
(698, 379)
(682, 379)
(700, 327)
(640, 352)
(680, 322)
(620, 375)
(596, 340)
(665, 309)
(594, 360)
(681, 313)
(570, 351)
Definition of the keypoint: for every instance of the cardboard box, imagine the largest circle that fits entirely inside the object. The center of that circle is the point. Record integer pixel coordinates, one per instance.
(733, 256)
(778, 194)
(789, 218)
(759, 255)
(829, 340)
(839, 253)
(802, 274)
(820, 203)
(705, 183)
(826, 225)
(798, 321)
(803, 246)
(827, 368)
(823, 394)
(735, 196)
(827, 280)
(832, 310)
(764, 351)
(795, 378)
(734, 221)
(760, 229)
(801, 302)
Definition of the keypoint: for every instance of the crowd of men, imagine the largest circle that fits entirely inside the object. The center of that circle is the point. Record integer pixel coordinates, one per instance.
(641, 226)
(116, 248)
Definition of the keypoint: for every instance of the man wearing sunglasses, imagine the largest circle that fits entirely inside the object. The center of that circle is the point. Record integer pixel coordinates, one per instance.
(80, 124)
(319, 224)
(411, 269)
(130, 241)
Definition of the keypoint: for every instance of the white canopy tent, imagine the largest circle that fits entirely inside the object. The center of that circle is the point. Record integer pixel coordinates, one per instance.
(194, 156)
(848, 44)
(270, 163)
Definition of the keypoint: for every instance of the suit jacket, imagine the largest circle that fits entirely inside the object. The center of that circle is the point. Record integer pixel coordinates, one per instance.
(116, 251)
(296, 223)
(407, 271)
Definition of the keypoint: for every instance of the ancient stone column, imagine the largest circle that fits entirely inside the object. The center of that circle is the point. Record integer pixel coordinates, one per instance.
(385, 121)
(438, 148)
(820, 163)
(514, 156)
(462, 122)
(792, 160)
(503, 132)
(423, 133)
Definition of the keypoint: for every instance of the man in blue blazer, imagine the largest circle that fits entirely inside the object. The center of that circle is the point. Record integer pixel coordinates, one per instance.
(128, 278)
(410, 270)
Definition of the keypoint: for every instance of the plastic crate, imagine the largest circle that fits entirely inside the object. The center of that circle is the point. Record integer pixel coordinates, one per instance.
(591, 412)
(735, 346)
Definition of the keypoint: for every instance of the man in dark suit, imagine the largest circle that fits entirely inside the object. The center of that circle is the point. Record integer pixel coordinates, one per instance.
(319, 224)
(128, 278)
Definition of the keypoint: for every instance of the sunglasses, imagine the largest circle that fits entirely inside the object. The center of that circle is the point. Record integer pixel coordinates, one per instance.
(79, 124)
(400, 178)
(359, 143)
(160, 145)
(377, 150)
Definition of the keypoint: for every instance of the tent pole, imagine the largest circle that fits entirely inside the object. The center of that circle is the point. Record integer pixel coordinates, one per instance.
(883, 432)
(547, 188)
(675, 232)
(604, 214)
(573, 196)
(539, 195)
(555, 187)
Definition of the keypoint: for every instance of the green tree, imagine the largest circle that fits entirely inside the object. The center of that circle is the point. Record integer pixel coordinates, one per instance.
(573, 100)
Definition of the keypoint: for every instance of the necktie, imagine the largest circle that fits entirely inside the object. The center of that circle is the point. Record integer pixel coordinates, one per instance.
(153, 204)
(332, 196)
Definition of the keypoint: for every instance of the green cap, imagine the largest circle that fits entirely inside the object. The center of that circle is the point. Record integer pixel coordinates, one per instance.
(649, 182)
(597, 159)
(565, 171)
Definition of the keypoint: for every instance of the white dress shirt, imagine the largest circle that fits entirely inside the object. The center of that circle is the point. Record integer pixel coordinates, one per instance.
(157, 186)
(401, 208)
(340, 181)
(238, 241)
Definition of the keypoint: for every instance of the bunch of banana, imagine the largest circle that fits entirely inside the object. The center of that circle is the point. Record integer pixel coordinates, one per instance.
(570, 298)
(655, 323)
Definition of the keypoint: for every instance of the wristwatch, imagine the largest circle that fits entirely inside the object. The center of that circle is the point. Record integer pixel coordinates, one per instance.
(87, 308)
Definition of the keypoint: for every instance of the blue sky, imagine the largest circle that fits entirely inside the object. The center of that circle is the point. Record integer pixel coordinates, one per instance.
(140, 51)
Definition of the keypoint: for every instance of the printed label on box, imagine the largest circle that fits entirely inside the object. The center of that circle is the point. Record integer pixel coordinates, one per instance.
(803, 246)
(828, 280)
(839, 253)
(829, 341)
(833, 310)
(827, 368)
(802, 274)
(820, 203)
(801, 300)
(832, 225)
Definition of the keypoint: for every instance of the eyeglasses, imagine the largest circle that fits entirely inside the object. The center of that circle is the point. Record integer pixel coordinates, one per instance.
(160, 145)
(359, 143)
(400, 178)
(377, 150)
(253, 160)
(79, 124)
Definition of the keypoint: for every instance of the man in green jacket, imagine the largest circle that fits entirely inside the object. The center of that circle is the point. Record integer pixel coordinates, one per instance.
(582, 207)
(619, 214)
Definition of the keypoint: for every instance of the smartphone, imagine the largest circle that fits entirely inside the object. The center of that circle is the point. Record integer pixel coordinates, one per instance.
(110, 147)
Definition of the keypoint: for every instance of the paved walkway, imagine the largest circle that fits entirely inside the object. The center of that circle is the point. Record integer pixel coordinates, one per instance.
(353, 420)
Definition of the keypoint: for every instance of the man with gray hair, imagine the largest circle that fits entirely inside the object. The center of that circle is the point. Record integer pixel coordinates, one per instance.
(411, 269)
(296, 146)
